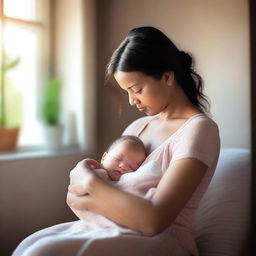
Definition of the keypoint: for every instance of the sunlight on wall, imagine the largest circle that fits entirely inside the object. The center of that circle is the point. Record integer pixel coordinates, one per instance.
(73, 41)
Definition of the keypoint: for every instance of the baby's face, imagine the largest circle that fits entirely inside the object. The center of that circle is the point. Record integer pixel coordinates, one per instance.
(122, 158)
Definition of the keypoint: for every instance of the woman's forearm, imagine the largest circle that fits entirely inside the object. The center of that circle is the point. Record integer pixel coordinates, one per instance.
(124, 208)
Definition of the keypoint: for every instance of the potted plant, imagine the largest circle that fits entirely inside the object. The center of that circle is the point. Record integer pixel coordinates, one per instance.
(10, 106)
(52, 128)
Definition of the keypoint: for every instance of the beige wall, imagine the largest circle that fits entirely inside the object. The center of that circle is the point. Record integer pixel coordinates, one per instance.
(216, 32)
(32, 197)
(74, 44)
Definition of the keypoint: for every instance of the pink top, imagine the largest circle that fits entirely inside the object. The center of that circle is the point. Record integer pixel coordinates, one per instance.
(197, 138)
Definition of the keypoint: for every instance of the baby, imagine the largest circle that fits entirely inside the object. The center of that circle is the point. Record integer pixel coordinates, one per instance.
(124, 155)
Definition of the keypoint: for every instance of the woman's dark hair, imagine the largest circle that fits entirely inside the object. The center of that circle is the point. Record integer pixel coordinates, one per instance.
(148, 50)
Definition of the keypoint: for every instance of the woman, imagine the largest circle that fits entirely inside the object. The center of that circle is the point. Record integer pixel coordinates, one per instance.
(178, 134)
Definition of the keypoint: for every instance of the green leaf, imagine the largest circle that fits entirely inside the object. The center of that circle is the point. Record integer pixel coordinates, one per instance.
(51, 102)
(11, 109)
(12, 64)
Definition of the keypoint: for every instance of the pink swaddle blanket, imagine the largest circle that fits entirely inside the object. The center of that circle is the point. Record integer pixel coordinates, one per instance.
(142, 183)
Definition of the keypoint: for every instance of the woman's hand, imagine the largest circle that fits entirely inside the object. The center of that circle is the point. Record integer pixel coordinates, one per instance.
(79, 203)
(81, 176)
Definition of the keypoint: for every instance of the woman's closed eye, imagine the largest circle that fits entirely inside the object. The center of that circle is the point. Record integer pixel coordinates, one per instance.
(135, 92)
(139, 91)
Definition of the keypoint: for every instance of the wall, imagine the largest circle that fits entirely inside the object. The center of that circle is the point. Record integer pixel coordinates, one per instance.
(74, 46)
(33, 196)
(215, 32)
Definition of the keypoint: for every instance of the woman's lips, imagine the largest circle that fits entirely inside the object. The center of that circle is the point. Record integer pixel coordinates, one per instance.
(142, 109)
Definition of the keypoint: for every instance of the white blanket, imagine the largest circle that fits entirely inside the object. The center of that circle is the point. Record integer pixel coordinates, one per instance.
(142, 182)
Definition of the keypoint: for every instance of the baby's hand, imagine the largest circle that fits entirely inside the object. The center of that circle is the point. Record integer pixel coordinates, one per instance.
(92, 164)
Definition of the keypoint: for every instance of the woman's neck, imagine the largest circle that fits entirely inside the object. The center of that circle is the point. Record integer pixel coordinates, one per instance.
(180, 108)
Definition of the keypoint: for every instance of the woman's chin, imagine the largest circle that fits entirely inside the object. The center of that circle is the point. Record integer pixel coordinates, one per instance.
(151, 113)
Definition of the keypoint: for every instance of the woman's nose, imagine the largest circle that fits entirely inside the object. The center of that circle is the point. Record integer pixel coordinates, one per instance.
(132, 100)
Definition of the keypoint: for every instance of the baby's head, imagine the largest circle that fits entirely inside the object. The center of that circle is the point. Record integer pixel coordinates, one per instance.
(124, 155)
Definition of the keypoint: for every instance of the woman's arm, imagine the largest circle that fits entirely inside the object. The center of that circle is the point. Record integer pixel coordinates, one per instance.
(147, 216)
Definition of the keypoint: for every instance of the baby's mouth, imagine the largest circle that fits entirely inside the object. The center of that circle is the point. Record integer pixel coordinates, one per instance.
(117, 172)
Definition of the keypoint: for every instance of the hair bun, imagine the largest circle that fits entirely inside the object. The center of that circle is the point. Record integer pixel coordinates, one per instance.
(186, 60)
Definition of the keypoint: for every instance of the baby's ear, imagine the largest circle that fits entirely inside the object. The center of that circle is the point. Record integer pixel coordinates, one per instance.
(103, 157)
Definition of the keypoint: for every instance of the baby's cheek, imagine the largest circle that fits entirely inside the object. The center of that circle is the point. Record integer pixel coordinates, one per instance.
(108, 165)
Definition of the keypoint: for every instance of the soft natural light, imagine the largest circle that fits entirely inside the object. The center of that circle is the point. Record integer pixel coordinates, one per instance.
(21, 9)
(23, 43)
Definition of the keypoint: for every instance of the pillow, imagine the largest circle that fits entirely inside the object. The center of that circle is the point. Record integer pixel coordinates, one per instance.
(221, 226)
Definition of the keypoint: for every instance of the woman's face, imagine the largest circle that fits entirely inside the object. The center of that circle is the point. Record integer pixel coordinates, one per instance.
(148, 94)
(122, 158)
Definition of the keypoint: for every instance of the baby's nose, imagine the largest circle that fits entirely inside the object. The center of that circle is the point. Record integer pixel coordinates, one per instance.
(123, 166)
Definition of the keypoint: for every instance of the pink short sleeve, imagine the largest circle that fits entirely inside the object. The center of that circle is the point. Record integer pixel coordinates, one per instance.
(200, 140)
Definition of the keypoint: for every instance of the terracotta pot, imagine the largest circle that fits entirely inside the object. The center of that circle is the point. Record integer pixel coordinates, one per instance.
(8, 138)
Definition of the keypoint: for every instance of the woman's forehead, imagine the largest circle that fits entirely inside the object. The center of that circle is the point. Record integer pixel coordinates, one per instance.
(131, 75)
(129, 79)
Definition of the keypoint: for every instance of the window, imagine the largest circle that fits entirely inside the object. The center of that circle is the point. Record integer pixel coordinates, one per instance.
(35, 32)
(25, 38)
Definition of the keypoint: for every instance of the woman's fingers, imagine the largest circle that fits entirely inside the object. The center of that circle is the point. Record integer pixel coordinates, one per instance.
(77, 190)
(78, 203)
(70, 199)
(81, 177)
(78, 173)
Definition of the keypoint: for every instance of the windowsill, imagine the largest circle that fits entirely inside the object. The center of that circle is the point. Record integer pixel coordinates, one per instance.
(39, 152)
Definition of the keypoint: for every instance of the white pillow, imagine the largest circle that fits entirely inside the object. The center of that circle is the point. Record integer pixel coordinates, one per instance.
(222, 221)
